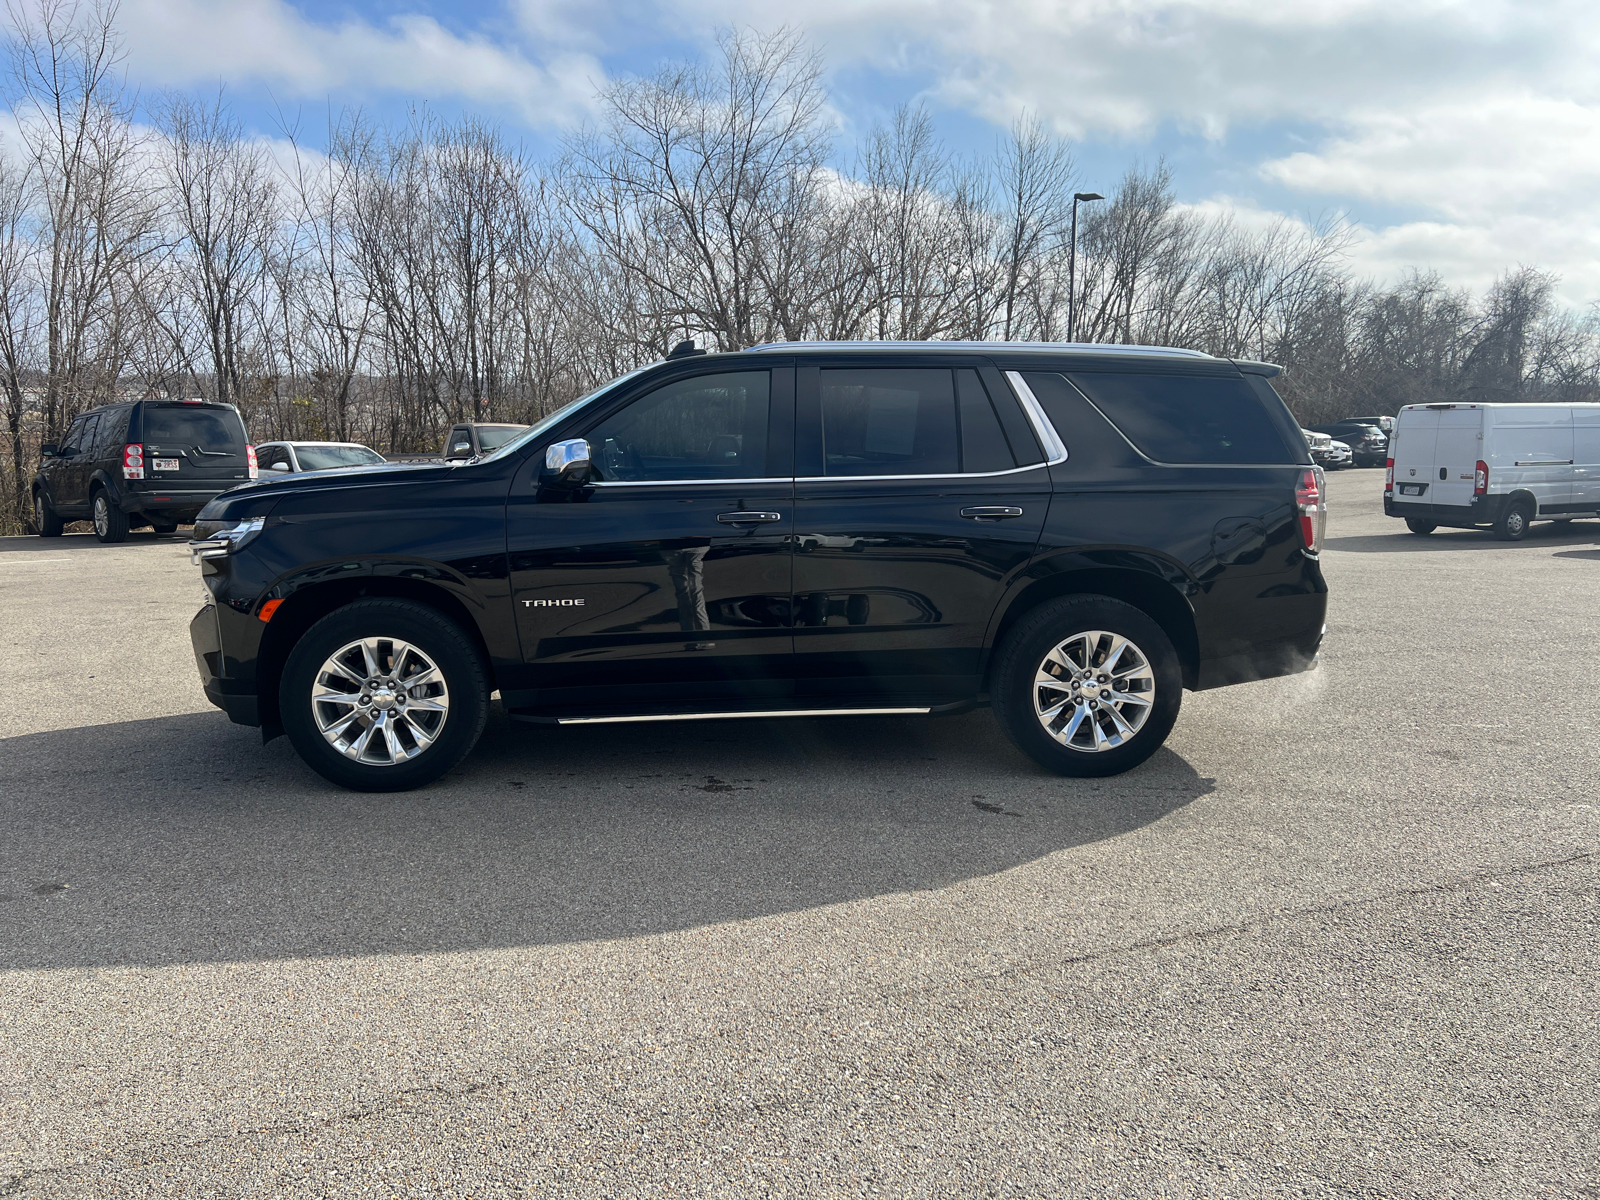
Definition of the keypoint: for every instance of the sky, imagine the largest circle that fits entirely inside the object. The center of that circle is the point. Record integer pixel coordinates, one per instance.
(1457, 135)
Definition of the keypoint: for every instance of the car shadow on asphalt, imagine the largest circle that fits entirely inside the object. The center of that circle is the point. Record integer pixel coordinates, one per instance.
(1541, 536)
(182, 839)
(84, 541)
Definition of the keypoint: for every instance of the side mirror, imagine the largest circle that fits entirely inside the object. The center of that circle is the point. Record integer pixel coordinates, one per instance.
(47, 450)
(279, 466)
(568, 461)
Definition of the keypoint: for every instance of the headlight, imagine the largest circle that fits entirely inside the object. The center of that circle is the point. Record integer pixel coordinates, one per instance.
(213, 539)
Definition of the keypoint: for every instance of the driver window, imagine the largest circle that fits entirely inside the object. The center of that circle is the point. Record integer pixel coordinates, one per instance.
(707, 427)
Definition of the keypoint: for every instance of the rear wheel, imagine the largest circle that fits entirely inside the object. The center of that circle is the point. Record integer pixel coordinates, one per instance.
(1419, 526)
(110, 522)
(49, 521)
(1087, 686)
(1513, 523)
(384, 695)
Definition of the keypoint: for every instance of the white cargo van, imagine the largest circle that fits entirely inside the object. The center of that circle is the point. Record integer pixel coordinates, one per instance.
(1501, 466)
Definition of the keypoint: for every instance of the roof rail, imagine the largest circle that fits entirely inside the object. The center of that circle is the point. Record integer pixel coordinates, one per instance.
(1077, 347)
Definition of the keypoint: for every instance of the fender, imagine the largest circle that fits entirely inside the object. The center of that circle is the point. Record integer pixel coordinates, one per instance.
(1149, 580)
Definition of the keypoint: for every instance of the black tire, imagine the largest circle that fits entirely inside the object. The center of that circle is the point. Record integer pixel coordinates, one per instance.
(437, 639)
(110, 522)
(1416, 525)
(1052, 625)
(1513, 523)
(49, 521)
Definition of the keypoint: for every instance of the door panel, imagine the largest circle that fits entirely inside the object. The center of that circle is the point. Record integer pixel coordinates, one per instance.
(1586, 458)
(1455, 456)
(1413, 448)
(652, 587)
(894, 586)
(1533, 450)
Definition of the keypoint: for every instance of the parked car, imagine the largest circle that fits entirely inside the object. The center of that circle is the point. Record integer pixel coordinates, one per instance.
(1070, 535)
(1326, 452)
(1369, 446)
(1501, 466)
(140, 462)
(470, 440)
(285, 458)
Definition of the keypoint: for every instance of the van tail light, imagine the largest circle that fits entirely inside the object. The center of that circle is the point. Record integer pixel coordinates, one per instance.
(1388, 475)
(1480, 479)
(1308, 499)
(133, 461)
(250, 461)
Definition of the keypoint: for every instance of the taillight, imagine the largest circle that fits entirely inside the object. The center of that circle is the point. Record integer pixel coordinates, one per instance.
(1480, 479)
(133, 461)
(250, 461)
(1388, 474)
(1313, 512)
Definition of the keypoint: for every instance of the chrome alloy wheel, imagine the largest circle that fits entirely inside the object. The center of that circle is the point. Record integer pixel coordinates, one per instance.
(379, 701)
(102, 516)
(1094, 691)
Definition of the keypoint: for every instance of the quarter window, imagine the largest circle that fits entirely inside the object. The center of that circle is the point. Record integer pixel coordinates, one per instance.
(1187, 418)
(889, 422)
(707, 427)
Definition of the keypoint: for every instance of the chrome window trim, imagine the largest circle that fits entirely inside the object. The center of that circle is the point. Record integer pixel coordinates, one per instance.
(1055, 449)
(603, 483)
(883, 478)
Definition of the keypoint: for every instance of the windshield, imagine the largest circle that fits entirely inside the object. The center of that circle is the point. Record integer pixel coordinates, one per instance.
(208, 430)
(566, 410)
(323, 458)
(492, 437)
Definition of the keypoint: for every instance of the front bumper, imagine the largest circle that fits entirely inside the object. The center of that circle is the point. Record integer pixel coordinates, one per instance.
(236, 697)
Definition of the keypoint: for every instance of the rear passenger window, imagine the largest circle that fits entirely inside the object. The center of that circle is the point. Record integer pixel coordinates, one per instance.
(983, 442)
(889, 421)
(1187, 418)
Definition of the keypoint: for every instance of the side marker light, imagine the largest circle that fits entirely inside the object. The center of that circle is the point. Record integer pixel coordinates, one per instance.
(267, 609)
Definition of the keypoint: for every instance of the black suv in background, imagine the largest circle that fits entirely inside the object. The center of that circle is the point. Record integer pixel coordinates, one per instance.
(471, 439)
(1369, 445)
(1071, 535)
(142, 462)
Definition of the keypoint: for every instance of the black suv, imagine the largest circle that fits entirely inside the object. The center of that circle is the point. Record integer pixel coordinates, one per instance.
(1073, 536)
(1369, 445)
(142, 462)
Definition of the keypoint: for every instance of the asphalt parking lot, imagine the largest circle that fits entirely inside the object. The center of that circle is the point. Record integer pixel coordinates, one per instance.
(1339, 938)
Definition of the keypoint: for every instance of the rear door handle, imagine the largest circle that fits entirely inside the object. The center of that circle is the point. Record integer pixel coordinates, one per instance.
(991, 512)
(748, 518)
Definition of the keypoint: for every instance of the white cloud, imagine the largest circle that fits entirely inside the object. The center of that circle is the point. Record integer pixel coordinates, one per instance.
(195, 42)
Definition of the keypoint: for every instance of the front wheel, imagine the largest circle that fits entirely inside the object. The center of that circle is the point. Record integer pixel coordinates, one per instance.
(384, 695)
(1087, 686)
(48, 520)
(1419, 526)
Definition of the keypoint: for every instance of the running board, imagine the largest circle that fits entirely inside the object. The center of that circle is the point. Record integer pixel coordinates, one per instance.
(725, 716)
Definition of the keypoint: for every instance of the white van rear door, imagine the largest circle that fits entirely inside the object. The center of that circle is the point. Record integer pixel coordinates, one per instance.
(1530, 449)
(1586, 458)
(1411, 445)
(1456, 454)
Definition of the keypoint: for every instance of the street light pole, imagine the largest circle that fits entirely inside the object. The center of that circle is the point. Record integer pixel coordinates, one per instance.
(1072, 265)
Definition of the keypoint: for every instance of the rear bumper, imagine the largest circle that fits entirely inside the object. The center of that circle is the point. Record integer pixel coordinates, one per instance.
(235, 697)
(1484, 510)
(177, 504)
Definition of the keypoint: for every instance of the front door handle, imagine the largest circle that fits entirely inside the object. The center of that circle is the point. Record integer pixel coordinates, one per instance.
(991, 512)
(748, 518)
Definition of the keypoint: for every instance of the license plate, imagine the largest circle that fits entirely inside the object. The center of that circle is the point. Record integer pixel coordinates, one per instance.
(164, 464)
(1412, 489)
